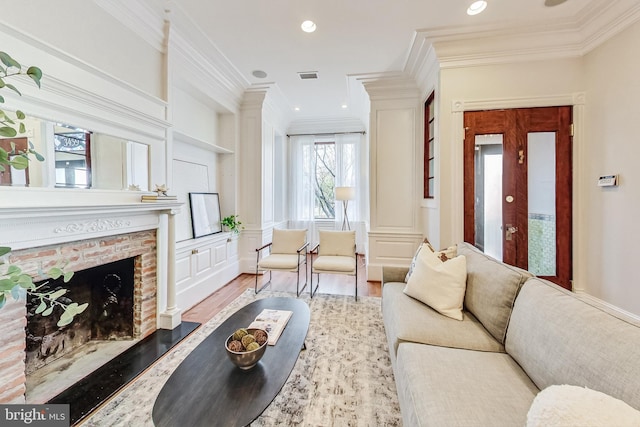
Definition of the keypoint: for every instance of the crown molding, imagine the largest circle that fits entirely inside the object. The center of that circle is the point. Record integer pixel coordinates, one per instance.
(139, 18)
(495, 44)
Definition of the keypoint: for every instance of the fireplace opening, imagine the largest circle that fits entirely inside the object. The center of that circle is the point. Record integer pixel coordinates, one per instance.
(109, 290)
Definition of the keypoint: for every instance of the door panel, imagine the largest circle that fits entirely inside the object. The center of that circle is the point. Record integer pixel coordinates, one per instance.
(536, 188)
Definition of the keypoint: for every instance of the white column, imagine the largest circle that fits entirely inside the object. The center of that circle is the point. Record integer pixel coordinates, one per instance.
(171, 317)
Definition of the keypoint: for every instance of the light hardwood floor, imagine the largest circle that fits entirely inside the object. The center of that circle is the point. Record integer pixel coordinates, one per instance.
(282, 281)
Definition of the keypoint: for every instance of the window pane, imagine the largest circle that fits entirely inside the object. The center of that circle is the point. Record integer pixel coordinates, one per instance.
(541, 160)
(325, 180)
(488, 194)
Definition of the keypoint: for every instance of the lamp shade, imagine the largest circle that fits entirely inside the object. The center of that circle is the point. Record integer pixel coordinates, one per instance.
(345, 193)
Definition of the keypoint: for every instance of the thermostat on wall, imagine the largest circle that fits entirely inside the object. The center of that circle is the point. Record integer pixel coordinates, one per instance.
(608, 181)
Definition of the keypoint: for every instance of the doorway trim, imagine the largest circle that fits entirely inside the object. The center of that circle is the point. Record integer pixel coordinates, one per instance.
(580, 181)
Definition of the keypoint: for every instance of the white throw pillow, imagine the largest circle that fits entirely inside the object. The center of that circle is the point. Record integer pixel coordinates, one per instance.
(440, 285)
(568, 405)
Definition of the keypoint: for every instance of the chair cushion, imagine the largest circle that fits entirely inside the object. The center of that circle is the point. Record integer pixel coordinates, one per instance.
(279, 262)
(336, 264)
(287, 241)
(340, 243)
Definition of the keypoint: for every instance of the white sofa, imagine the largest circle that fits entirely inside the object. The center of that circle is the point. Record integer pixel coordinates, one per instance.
(519, 335)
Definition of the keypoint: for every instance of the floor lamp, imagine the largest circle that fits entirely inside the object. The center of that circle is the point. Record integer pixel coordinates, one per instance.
(344, 194)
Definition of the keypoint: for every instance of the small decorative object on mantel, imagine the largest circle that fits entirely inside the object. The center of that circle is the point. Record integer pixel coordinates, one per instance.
(160, 196)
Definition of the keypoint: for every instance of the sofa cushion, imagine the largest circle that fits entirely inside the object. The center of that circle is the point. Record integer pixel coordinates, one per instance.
(558, 338)
(439, 386)
(568, 406)
(408, 320)
(439, 284)
(492, 287)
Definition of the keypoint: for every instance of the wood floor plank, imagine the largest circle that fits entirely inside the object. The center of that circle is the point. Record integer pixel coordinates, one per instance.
(281, 281)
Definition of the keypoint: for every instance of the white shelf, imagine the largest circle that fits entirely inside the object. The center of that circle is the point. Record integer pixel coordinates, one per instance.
(180, 136)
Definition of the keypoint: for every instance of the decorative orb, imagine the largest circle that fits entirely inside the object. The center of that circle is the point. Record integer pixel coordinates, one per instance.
(246, 358)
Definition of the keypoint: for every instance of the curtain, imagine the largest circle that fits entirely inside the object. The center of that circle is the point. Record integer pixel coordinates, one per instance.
(349, 152)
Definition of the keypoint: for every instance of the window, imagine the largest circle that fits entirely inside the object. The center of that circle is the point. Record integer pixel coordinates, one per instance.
(429, 148)
(319, 165)
(325, 180)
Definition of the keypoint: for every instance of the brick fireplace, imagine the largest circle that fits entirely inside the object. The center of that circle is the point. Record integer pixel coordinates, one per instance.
(86, 237)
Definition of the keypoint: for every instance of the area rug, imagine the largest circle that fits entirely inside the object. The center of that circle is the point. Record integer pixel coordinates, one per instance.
(343, 378)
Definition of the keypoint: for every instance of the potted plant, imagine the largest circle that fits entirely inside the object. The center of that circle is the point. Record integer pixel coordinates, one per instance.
(232, 223)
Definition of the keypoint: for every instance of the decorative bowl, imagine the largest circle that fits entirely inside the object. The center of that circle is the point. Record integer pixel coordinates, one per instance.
(245, 359)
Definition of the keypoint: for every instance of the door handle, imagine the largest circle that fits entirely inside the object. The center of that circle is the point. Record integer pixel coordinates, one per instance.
(509, 232)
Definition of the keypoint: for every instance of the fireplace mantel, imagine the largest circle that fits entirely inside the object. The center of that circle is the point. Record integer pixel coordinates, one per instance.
(66, 217)
(33, 226)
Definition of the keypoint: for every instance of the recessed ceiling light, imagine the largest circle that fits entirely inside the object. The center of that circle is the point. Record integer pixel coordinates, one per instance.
(296, 108)
(308, 26)
(344, 106)
(477, 7)
(259, 74)
(551, 3)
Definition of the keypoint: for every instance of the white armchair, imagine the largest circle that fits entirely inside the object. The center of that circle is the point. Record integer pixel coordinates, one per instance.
(287, 252)
(336, 254)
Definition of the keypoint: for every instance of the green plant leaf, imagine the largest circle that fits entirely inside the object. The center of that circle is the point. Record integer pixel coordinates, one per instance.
(13, 88)
(55, 272)
(14, 269)
(38, 156)
(20, 115)
(4, 249)
(48, 311)
(1, 97)
(35, 73)
(82, 307)
(8, 60)
(42, 307)
(57, 294)
(19, 162)
(16, 292)
(22, 128)
(67, 276)
(6, 285)
(7, 132)
(3, 300)
(64, 321)
(2, 83)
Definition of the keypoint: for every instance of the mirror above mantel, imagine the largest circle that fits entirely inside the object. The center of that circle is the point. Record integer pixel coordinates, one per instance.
(78, 158)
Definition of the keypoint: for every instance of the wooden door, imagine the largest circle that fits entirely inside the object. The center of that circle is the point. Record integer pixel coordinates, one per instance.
(521, 213)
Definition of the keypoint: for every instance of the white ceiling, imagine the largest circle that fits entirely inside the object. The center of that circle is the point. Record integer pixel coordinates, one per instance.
(354, 37)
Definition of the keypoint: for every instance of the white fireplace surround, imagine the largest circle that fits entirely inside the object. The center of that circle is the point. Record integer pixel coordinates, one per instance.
(40, 217)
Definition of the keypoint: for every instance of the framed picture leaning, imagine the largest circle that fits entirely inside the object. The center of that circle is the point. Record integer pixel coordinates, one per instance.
(205, 214)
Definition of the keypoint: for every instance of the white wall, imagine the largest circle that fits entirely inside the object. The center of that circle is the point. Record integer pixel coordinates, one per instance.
(85, 31)
(505, 85)
(605, 224)
(611, 227)
(193, 118)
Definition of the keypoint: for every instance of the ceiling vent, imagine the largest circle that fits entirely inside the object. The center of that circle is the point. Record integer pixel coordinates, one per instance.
(308, 75)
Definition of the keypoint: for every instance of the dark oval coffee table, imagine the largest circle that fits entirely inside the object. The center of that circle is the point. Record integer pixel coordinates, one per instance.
(208, 389)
